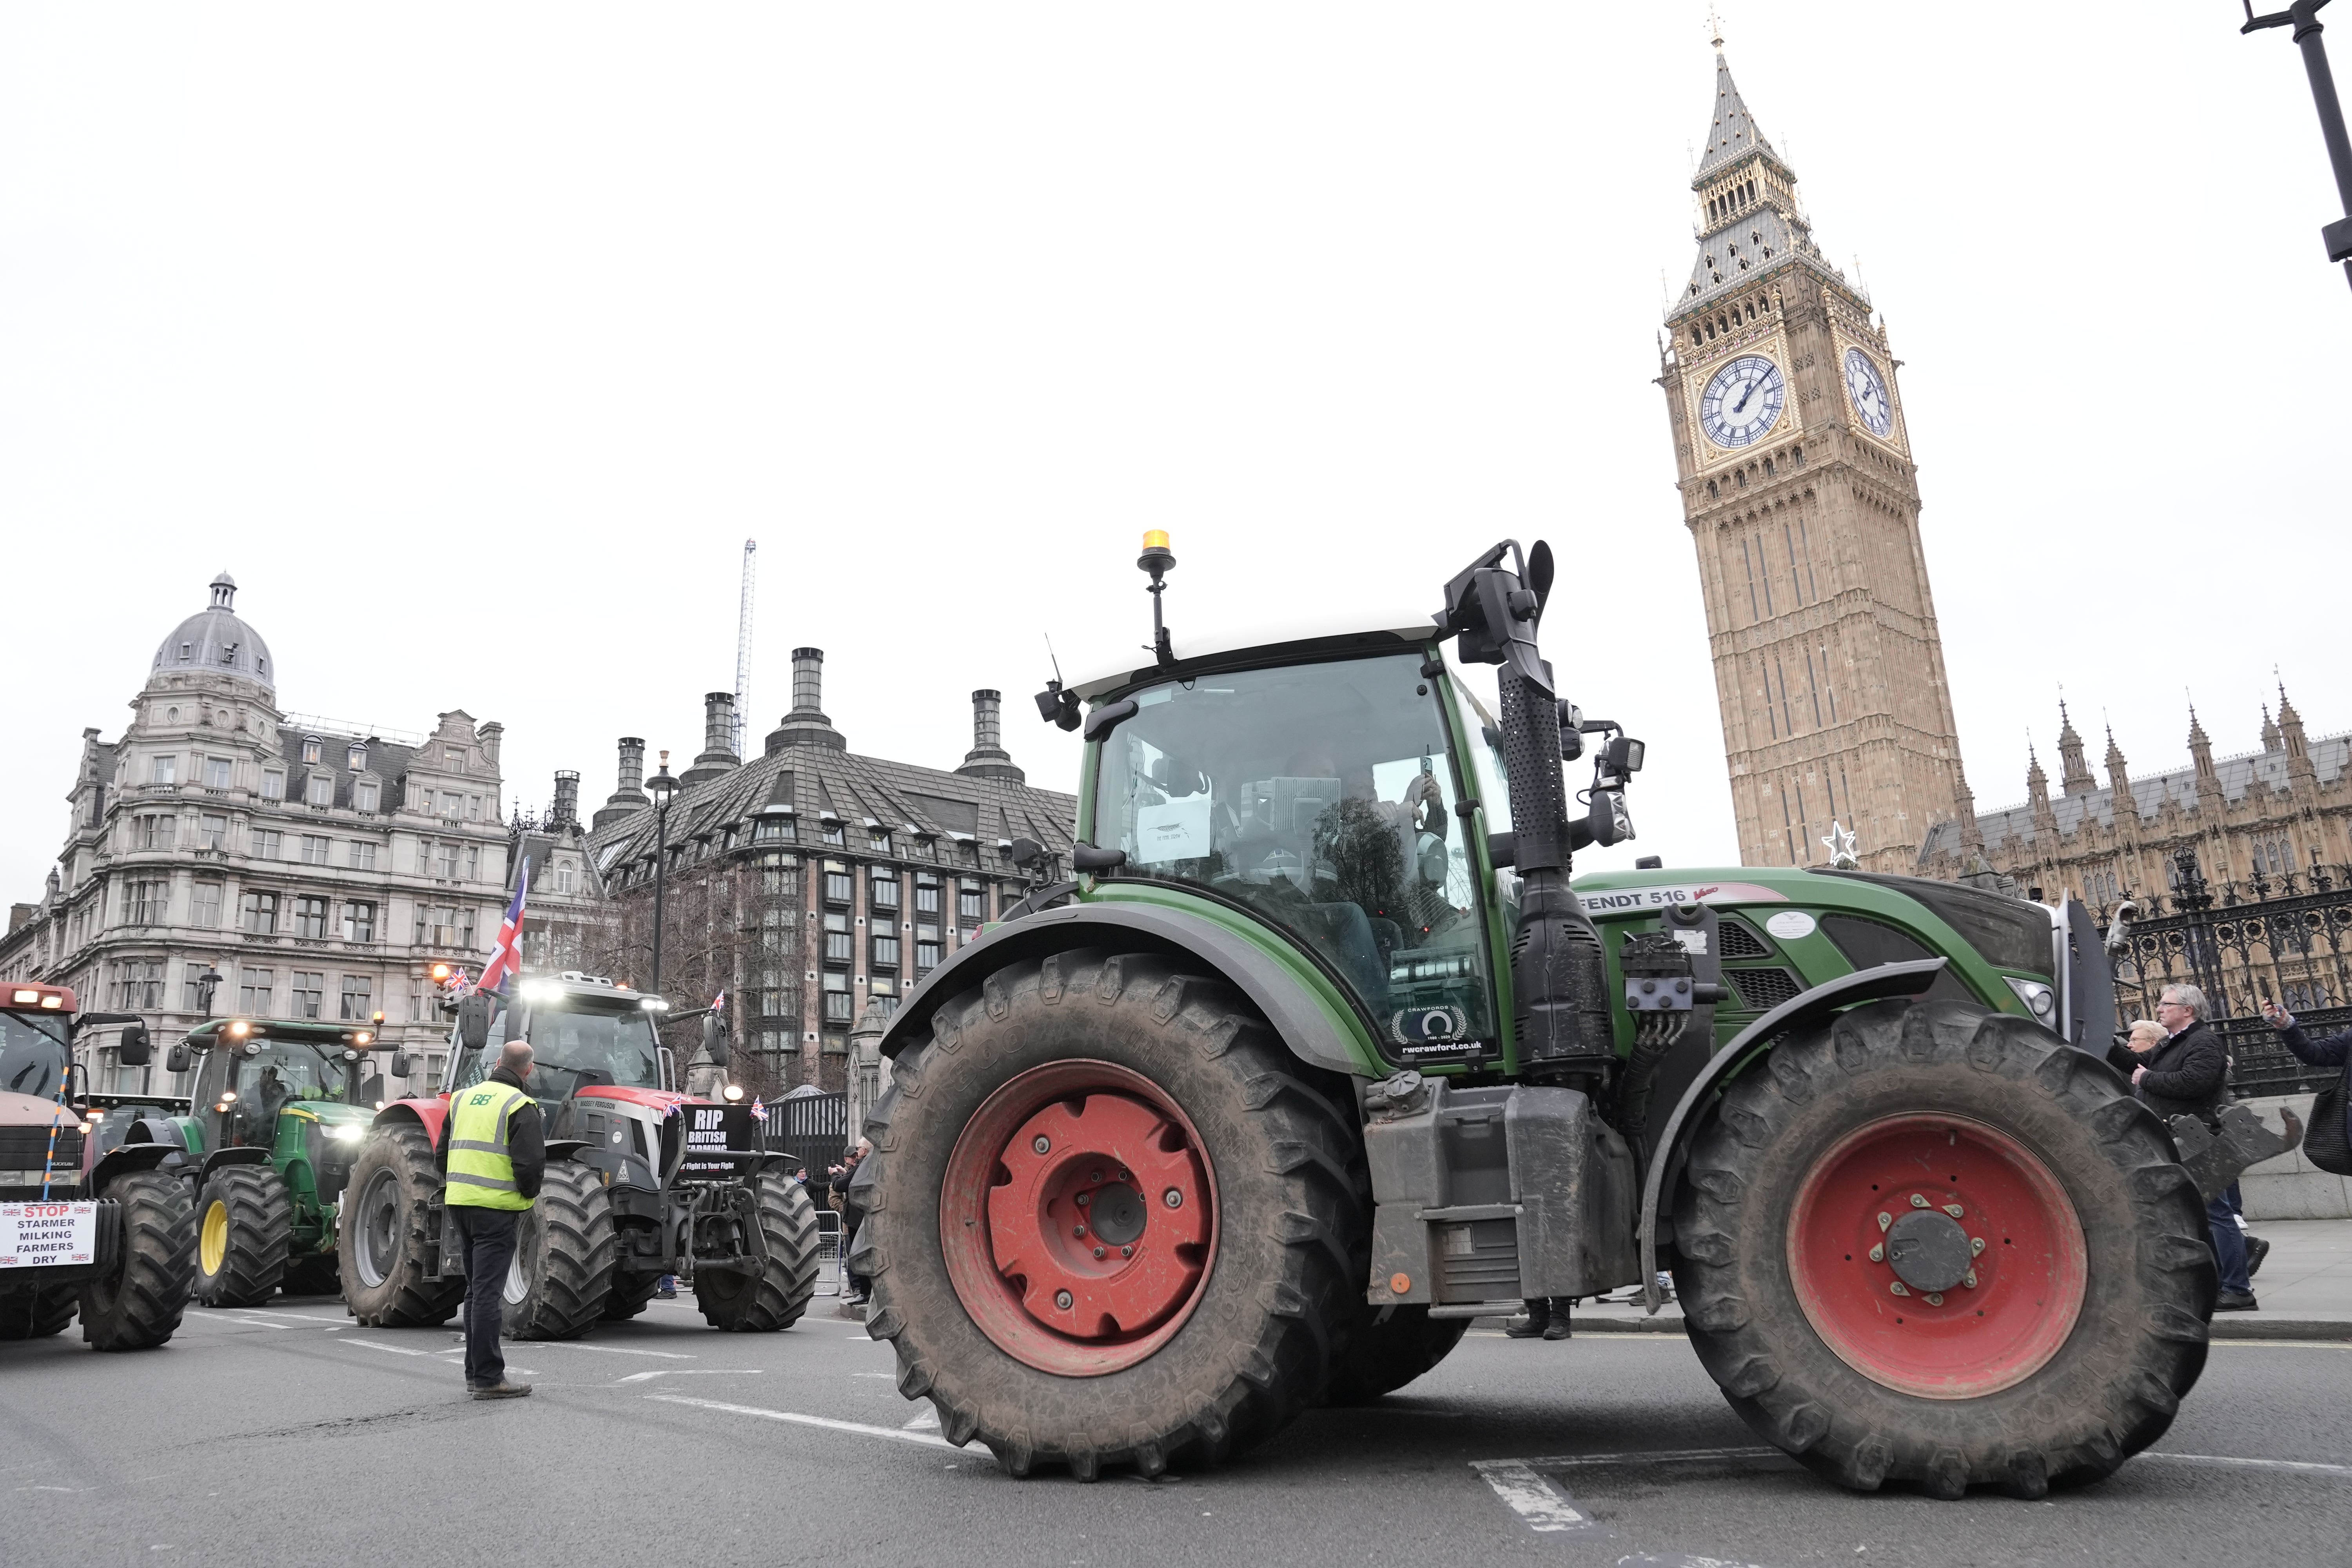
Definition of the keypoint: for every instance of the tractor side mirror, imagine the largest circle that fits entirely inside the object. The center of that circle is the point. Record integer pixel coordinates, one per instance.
(178, 1059)
(714, 1039)
(134, 1050)
(473, 1022)
(403, 1063)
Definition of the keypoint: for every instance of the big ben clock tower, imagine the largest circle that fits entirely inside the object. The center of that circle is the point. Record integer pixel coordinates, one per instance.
(1794, 464)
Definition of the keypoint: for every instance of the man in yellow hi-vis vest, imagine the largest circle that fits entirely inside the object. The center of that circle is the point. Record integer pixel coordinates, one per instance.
(492, 1154)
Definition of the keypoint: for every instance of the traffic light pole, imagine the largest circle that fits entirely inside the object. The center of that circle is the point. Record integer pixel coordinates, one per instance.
(2302, 15)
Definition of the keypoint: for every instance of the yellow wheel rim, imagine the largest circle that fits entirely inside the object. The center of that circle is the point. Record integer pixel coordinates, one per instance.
(212, 1246)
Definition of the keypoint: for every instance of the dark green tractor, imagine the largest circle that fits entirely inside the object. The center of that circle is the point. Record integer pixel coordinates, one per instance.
(1316, 1054)
(277, 1112)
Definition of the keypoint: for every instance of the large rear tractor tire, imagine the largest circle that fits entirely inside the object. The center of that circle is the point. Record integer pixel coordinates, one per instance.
(1109, 1219)
(34, 1312)
(1934, 1245)
(245, 1224)
(137, 1307)
(1388, 1347)
(779, 1293)
(564, 1250)
(391, 1233)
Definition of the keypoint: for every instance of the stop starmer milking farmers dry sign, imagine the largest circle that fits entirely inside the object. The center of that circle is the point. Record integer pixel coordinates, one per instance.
(36, 1236)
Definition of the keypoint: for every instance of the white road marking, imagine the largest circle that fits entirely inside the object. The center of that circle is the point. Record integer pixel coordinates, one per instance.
(927, 1439)
(1536, 1498)
(690, 1371)
(1662, 1456)
(928, 1421)
(2254, 1464)
(380, 1345)
(1644, 1560)
(245, 1313)
(615, 1350)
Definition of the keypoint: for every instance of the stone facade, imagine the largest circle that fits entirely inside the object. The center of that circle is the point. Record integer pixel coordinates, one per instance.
(1794, 466)
(813, 882)
(318, 868)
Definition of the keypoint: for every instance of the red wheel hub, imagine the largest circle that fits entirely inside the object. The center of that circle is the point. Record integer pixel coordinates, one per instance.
(1937, 1255)
(1078, 1217)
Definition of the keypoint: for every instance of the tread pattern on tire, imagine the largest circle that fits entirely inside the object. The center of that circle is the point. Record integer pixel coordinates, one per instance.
(776, 1297)
(1256, 1352)
(570, 1229)
(629, 1295)
(2109, 1392)
(141, 1306)
(260, 1234)
(36, 1312)
(414, 1300)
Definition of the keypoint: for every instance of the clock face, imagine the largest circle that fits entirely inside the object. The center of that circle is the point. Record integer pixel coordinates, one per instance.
(1868, 390)
(1742, 401)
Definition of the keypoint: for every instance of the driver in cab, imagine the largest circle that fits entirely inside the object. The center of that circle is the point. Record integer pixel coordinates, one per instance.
(492, 1154)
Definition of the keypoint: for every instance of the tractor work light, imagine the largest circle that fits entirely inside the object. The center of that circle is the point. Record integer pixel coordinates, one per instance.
(238, 1028)
(228, 1098)
(654, 1004)
(25, 999)
(347, 1132)
(440, 973)
(362, 1039)
(541, 990)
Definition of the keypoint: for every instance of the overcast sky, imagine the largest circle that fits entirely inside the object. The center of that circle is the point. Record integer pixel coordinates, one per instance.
(475, 341)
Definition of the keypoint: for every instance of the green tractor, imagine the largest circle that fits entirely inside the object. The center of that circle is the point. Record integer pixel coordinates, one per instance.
(277, 1113)
(1317, 1054)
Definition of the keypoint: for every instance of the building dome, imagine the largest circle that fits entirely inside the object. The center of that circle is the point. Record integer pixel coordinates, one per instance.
(214, 639)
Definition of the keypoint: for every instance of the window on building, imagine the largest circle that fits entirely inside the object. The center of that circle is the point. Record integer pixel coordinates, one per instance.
(882, 891)
(927, 949)
(138, 987)
(204, 904)
(192, 988)
(273, 783)
(268, 844)
(775, 930)
(837, 998)
(772, 830)
(166, 771)
(838, 948)
(257, 913)
(321, 789)
(310, 917)
(833, 834)
(310, 749)
(453, 758)
(359, 998)
(151, 832)
(423, 856)
(145, 902)
(317, 849)
(837, 1044)
(212, 831)
(452, 802)
(365, 795)
(448, 866)
(363, 854)
(885, 951)
(877, 839)
(355, 758)
(253, 988)
(307, 994)
(926, 895)
(971, 903)
(420, 1000)
(217, 772)
(563, 876)
(473, 808)
(837, 886)
(473, 862)
(465, 930)
(359, 921)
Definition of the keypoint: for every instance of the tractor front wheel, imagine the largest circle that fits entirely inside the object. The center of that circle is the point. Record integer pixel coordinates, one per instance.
(245, 1223)
(34, 1312)
(137, 1307)
(1936, 1245)
(1388, 1347)
(1109, 1219)
(390, 1233)
(563, 1270)
(776, 1295)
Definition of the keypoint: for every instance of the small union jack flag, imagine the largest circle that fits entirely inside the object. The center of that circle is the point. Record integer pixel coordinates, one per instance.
(759, 1111)
(506, 953)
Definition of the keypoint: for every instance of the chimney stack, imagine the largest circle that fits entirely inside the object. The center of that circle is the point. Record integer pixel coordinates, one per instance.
(807, 725)
(718, 739)
(988, 759)
(567, 799)
(631, 794)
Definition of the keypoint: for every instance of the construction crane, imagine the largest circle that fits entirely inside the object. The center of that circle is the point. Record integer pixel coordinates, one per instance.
(743, 644)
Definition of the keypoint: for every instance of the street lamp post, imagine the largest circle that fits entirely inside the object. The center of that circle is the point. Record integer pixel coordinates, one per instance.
(2302, 15)
(207, 984)
(662, 788)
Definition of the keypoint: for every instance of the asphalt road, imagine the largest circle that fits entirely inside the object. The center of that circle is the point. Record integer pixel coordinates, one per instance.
(289, 1435)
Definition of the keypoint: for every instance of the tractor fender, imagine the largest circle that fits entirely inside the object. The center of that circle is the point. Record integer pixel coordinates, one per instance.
(1752, 1044)
(427, 1112)
(125, 1158)
(236, 1156)
(1306, 1028)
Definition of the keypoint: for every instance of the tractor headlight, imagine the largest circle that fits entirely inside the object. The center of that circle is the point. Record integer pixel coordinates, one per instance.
(2039, 999)
(347, 1132)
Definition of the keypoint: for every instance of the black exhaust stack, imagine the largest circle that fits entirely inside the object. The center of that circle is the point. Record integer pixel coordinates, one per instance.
(1556, 976)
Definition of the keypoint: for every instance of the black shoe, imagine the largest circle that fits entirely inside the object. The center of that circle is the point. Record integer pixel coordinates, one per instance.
(1535, 1327)
(503, 1390)
(1558, 1328)
(2256, 1251)
(2237, 1302)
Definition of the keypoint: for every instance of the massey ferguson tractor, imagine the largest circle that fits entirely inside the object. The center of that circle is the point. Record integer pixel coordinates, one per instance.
(1318, 1055)
(642, 1181)
(106, 1234)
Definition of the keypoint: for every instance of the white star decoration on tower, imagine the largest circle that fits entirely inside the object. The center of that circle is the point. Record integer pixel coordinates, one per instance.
(1840, 844)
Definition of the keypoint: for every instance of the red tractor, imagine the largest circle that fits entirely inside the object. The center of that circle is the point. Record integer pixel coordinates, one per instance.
(642, 1181)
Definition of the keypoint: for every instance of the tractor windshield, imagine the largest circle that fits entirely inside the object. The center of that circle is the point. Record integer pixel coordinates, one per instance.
(1321, 797)
(576, 1048)
(281, 1072)
(32, 1054)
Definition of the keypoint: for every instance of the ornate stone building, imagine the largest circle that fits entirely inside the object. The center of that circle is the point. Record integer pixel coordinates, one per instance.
(226, 856)
(2253, 819)
(814, 882)
(1794, 464)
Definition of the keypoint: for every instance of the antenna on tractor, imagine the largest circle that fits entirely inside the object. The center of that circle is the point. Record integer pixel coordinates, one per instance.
(1158, 560)
(744, 643)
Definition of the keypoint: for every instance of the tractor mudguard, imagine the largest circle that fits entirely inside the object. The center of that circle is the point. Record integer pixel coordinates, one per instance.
(427, 1112)
(1305, 1029)
(125, 1158)
(236, 1156)
(1750, 1044)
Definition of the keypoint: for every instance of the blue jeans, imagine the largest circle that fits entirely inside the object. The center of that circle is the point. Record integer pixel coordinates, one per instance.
(2229, 1241)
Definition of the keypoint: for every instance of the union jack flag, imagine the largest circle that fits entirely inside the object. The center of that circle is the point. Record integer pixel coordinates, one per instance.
(759, 1111)
(506, 953)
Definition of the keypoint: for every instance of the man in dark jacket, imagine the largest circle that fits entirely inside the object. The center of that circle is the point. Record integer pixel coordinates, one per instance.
(492, 1155)
(2189, 1075)
(853, 1215)
(2328, 1051)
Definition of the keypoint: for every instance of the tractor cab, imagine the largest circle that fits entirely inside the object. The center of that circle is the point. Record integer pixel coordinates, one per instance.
(251, 1071)
(585, 1034)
